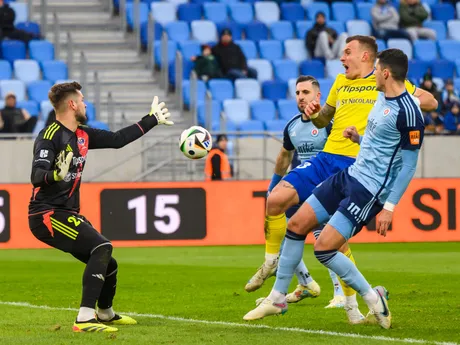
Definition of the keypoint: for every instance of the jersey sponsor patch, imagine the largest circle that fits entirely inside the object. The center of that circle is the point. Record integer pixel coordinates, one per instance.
(414, 137)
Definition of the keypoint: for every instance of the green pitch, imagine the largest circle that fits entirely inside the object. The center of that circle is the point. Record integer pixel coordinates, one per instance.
(196, 296)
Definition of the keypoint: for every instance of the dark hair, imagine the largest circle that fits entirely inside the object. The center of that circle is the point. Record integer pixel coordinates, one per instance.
(366, 41)
(396, 61)
(303, 78)
(320, 13)
(60, 92)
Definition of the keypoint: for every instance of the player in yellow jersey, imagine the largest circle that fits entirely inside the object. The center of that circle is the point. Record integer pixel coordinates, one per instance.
(349, 102)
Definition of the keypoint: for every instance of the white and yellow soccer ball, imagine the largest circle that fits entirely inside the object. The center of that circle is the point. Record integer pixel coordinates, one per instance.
(195, 142)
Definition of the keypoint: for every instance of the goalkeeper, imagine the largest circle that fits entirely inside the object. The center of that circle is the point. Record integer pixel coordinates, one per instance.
(59, 158)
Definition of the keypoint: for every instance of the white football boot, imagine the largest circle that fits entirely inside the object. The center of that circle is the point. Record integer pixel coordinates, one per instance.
(337, 302)
(312, 290)
(380, 311)
(263, 273)
(266, 308)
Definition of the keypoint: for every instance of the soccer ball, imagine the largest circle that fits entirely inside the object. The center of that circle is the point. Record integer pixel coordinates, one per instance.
(195, 142)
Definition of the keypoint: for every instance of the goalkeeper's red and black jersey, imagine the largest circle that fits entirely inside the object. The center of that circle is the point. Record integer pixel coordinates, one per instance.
(48, 194)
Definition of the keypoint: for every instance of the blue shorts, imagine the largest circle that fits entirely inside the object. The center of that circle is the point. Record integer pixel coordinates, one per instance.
(351, 205)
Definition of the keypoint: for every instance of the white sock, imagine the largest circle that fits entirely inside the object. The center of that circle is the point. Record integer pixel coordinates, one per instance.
(106, 314)
(85, 314)
(277, 296)
(351, 301)
(371, 298)
(270, 259)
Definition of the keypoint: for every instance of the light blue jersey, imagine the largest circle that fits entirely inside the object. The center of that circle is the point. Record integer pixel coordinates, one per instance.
(394, 124)
(302, 135)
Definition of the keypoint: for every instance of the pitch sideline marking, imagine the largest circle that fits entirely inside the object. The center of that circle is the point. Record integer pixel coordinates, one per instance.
(247, 325)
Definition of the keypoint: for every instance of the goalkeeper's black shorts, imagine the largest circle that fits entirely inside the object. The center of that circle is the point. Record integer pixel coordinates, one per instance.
(67, 231)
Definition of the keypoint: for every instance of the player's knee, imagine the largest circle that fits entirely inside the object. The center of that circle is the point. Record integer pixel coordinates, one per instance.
(295, 226)
(325, 256)
(274, 207)
(112, 267)
(344, 248)
(103, 251)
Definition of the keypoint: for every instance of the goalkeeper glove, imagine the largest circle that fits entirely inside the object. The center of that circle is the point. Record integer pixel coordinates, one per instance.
(160, 112)
(63, 162)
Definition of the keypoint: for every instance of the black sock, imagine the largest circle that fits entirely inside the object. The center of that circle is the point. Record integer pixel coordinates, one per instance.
(94, 275)
(110, 285)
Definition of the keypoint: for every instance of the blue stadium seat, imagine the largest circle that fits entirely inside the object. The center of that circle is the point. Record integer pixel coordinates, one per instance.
(439, 83)
(381, 44)
(302, 27)
(333, 68)
(163, 12)
(417, 69)
(31, 27)
(215, 11)
(326, 85)
(343, 11)
(337, 26)
(248, 47)
(285, 69)
(5, 70)
(292, 88)
(315, 7)
(263, 110)
(90, 111)
(31, 106)
(256, 31)
(425, 50)
(364, 11)
(174, 2)
(438, 26)
(189, 49)
(143, 11)
(216, 108)
(358, 27)
(201, 91)
(54, 70)
(263, 67)
(21, 11)
(271, 50)
(16, 86)
(430, 2)
(292, 11)
(287, 108)
(178, 31)
(13, 50)
(38, 90)
(229, 127)
(241, 12)
(158, 31)
(187, 67)
(252, 126)
(295, 50)
(267, 12)
(281, 31)
(247, 89)
(443, 12)
(189, 12)
(45, 108)
(449, 50)
(275, 125)
(274, 90)
(235, 28)
(41, 50)
(221, 89)
(315, 68)
(204, 31)
(401, 43)
(26, 70)
(236, 110)
(443, 69)
(172, 47)
(453, 27)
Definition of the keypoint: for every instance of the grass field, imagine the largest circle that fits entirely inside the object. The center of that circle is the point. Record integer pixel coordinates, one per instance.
(196, 296)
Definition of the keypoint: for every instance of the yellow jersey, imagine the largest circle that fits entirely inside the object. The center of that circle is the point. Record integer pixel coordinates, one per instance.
(353, 101)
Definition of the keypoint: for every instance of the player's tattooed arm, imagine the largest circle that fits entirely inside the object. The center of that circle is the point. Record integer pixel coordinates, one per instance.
(286, 184)
(325, 116)
(427, 101)
(283, 161)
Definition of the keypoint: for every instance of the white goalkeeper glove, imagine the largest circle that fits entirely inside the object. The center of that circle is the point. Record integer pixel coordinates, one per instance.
(63, 162)
(160, 112)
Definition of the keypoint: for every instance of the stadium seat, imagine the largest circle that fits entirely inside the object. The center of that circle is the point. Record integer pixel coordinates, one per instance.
(263, 67)
(315, 7)
(227, 126)
(443, 12)
(364, 11)
(41, 50)
(5, 70)
(358, 27)
(172, 47)
(281, 31)
(314, 68)
(295, 50)
(38, 90)
(241, 12)
(302, 27)
(45, 108)
(187, 67)
(236, 110)
(292, 11)
(247, 89)
(271, 50)
(186, 92)
(274, 90)
(204, 31)
(263, 110)
(430, 2)
(249, 48)
(267, 12)
(158, 31)
(443, 69)
(54, 70)
(189, 48)
(292, 88)
(337, 26)
(216, 12)
(449, 50)
(143, 13)
(333, 68)
(252, 126)
(216, 108)
(30, 27)
(381, 45)
(275, 125)
(31, 106)
(287, 108)
(189, 12)
(21, 11)
(343, 11)
(417, 69)
(13, 50)
(439, 83)
(90, 111)
(256, 31)
(326, 85)
(401, 43)
(178, 31)
(237, 30)
(163, 12)
(26, 70)
(425, 50)
(15, 86)
(453, 27)
(221, 89)
(438, 26)
(285, 69)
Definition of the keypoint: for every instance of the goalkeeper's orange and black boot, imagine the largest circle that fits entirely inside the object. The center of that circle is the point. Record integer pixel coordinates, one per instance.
(92, 326)
(119, 320)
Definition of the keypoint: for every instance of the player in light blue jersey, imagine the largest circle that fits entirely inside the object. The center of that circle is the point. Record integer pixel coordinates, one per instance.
(348, 200)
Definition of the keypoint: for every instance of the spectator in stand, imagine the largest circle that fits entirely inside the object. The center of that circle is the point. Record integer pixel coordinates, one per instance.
(412, 15)
(431, 87)
(231, 58)
(15, 120)
(450, 95)
(323, 42)
(217, 166)
(385, 21)
(7, 28)
(452, 119)
(206, 66)
(434, 123)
